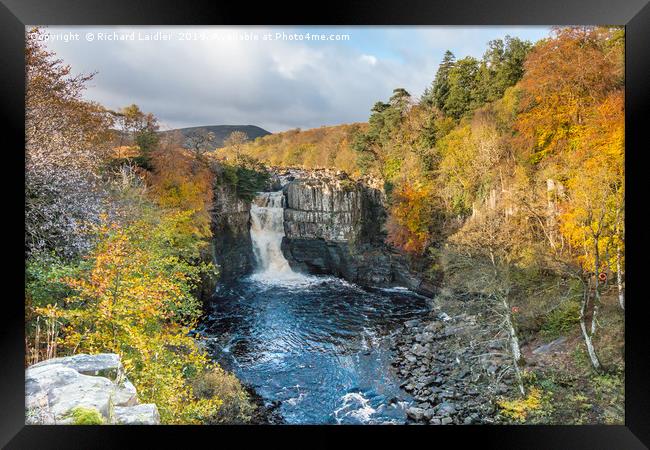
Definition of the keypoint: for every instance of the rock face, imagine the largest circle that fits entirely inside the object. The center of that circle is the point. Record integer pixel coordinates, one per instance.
(56, 386)
(335, 225)
(233, 248)
(328, 205)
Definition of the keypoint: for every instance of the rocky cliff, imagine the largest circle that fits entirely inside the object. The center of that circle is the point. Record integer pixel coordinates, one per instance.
(233, 249)
(335, 225)
(329, 205)
(55, 387)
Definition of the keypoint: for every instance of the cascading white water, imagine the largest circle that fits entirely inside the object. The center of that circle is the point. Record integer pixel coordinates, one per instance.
(267, 231)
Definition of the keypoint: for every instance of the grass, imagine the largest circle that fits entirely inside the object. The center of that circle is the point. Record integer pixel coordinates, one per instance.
(85, 416)
(561, 320)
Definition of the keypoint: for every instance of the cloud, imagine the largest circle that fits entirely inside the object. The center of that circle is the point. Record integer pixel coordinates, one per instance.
(372, 60)
(275, 84)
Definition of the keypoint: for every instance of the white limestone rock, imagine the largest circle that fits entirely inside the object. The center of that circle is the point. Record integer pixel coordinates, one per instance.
(54, 387)
(102, 364)
(143, 414)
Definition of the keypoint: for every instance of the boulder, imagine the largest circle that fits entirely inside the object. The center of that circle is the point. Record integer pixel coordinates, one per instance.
(415, 413)
(446, 409)
(125, 394)
(53, 388)
(418, 350)
(143, 414)
(429, 413)
(86, 391)
(106, 365)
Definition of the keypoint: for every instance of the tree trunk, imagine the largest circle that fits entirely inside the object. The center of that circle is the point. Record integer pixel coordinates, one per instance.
(590, 346)
(619, 278)
(619, 266)
(514, 344)
(514, 341)
(588, 342)
(594, 315)
(551, 211)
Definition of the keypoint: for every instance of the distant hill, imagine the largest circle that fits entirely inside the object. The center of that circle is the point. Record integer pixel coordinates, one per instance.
(221, 132)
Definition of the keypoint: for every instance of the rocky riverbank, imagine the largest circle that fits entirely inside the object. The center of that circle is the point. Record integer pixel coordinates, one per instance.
(266, 412)
(454, 363)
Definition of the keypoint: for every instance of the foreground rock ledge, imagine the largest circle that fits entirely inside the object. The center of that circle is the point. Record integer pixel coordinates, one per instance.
(56, 386)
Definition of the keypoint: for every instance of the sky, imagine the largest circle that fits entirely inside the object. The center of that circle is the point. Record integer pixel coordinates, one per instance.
(277, 78)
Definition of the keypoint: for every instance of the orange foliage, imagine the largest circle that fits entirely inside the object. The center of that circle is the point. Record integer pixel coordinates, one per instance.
(565, 75)
(126, 151)
(183, 180)
(410, 220)
(592, 215)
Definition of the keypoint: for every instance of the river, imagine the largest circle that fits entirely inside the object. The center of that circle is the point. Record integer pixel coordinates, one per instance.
(318, 345)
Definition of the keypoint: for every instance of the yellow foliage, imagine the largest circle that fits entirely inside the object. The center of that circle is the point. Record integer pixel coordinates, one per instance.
(592, 213)
(519, 409)
(136, 300)
(457, 170)
(182, 180)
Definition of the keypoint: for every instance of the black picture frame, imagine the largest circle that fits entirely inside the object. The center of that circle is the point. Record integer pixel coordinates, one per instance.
(15, 14)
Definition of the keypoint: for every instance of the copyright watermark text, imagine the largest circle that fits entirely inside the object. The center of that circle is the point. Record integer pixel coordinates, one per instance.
(216, 36)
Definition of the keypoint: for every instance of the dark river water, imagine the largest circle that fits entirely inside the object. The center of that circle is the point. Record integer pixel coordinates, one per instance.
(318, 345)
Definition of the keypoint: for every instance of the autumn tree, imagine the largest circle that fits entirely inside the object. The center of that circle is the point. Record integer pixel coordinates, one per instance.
(139, 128)
(412, 218)
(183, 181)
(565, 76)
(570, 129)
(492, 241)
(199, 141)
(592, 218)
(136, 300)
(235, 141)
(65, 144)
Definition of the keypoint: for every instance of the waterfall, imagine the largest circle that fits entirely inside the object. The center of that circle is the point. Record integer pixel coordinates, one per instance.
(267, 231)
